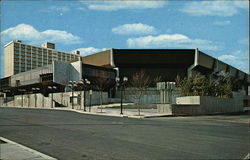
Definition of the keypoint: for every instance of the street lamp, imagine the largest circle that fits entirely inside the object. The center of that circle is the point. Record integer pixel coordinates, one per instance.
(121, 83)
(83, 84)
(72, 85)
(51, 88)
(5, 96)
(22, 91)
(35, 89)
(90, 95)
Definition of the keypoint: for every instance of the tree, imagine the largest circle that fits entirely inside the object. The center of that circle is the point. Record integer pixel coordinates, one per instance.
(223, 87)
(156, 79)
(200, 85)
(186, 86)
(177, 81)
(140, 81)
(102, 84)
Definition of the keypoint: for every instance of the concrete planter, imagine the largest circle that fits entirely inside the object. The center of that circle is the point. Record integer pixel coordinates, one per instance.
(164, 109)
(194, 105)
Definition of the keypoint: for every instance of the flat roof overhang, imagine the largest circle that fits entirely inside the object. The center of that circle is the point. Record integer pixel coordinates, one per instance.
(154, 58)
(43, 88)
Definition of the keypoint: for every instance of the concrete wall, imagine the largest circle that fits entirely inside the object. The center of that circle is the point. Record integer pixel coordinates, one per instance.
(188, 100)
(169, 96)
(96, 98)
(64, 72)
(78, 67)
(164, 108)
(59, 100)
(1, 101)
(30, 100)
(32, 76)
(151, 95)
(194, 105)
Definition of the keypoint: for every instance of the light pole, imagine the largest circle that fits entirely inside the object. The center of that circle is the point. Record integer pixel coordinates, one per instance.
(22, 91)
(51, 88)
(35, 89)
(5, 96)
(90, 96)
(84, 83)
(121, 84)
(72, 84)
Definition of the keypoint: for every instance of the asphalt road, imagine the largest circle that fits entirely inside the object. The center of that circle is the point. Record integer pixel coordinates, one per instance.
(68, 135)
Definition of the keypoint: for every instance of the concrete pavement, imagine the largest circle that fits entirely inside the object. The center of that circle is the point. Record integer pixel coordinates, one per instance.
(10, 150)
(107, 110)
(70, 135)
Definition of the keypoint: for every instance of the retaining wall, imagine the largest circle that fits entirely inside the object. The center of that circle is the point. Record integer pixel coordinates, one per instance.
(59, 100)
(195, 105)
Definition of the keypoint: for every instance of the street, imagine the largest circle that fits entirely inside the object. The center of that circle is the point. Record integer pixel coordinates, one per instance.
(68, 135)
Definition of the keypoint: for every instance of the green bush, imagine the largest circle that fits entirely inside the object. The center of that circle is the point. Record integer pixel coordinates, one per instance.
(200, 85)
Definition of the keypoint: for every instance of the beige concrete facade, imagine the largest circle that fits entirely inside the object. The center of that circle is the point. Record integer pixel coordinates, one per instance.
(20, 57)
(9, 60)
(100, 59)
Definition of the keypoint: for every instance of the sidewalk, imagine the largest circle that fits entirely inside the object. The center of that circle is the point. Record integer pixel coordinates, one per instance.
(10, 150)
(116, 112)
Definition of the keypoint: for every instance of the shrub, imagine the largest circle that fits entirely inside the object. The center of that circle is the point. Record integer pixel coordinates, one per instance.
(200, 85)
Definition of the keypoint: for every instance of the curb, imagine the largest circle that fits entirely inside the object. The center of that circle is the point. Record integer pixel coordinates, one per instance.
(247, 156)
(28, 149)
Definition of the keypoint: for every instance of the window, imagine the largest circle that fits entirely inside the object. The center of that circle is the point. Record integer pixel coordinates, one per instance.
(18, 83)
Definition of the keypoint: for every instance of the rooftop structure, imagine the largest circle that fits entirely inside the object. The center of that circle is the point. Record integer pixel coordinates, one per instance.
(163, 62)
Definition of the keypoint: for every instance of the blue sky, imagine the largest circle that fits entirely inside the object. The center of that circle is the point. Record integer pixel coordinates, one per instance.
(218, 28)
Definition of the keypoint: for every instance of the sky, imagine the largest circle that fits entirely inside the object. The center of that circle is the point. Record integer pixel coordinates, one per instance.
(218, 28)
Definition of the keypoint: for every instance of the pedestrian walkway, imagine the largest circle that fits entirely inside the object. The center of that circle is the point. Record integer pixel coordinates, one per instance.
(10, 150)
(107, 110)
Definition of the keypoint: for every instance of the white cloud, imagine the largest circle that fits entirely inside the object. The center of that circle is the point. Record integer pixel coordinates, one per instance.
(81, 8)
(57, 9)
(214, 8)
(117, 5)
(170, 41)
(29, 33)
(238, 59)
(222, 23)
(136, 28)
(90, 50)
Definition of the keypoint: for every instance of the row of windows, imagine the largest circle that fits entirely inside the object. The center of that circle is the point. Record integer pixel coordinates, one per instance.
(43, 57)
(34, 58)
(17, 67)
(39, 50)
(16, 53)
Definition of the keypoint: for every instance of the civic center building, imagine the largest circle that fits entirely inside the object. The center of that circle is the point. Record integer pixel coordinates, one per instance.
(27, 66)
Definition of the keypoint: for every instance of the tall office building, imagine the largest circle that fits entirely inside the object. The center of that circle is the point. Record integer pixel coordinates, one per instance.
(20, 57)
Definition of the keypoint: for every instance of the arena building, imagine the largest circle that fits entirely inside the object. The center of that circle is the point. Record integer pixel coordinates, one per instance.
(59, 68)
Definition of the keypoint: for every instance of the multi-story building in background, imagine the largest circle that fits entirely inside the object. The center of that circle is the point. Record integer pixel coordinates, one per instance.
(21, 57)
